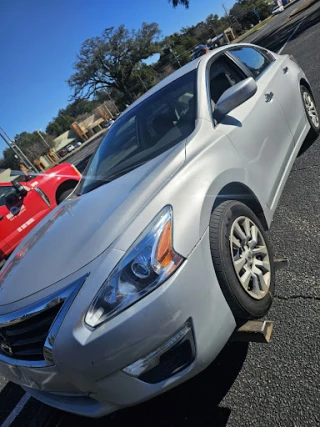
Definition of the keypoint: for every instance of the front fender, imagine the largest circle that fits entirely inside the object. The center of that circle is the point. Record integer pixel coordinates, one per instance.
(211, 163)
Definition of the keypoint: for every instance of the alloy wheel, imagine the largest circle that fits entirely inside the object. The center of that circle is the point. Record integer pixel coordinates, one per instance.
(250, 257)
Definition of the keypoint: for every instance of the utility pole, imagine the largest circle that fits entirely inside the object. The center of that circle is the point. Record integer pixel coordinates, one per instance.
(38, 132)
(115, 105)
(109, 112)
(138, 74)
(174, 54)
(227, 14)
(18, 153)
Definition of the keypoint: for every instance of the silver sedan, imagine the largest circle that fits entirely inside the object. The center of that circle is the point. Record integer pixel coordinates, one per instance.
(137, 282)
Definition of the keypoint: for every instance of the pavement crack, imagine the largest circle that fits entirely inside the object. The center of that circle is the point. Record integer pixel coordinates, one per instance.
(289, 297)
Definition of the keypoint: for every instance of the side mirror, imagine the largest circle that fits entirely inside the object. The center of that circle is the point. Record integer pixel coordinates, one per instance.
(233, 97)
(20, 188)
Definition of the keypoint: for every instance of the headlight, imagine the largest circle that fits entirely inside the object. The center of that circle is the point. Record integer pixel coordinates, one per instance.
(147, 264)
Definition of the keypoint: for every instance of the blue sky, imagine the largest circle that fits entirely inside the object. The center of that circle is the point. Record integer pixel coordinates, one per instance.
(39, 40)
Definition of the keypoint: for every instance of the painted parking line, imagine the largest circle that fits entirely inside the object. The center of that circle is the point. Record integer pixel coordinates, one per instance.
(16, 411)
(291, 35)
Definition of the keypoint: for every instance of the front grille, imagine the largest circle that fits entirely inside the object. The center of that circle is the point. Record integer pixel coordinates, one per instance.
(25, 340)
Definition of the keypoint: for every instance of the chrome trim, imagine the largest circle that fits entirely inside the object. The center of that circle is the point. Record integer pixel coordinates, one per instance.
(23, 363)
(65, 295)
(48, 345)
(43, 195)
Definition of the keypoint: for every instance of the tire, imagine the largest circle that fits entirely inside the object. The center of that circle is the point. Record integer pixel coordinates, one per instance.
(311, 112)
(64, 195)
(245, 303)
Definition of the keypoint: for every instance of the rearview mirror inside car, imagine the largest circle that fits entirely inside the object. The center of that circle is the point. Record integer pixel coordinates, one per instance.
(233, 97)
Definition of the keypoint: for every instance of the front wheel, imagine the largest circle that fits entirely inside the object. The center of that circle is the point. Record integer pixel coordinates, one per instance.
(243, 260)
(64, 195)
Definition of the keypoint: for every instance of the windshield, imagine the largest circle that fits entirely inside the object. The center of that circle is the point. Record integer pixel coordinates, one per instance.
(151, 128)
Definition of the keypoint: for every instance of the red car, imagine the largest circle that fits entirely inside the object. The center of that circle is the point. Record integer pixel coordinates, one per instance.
(23, 205)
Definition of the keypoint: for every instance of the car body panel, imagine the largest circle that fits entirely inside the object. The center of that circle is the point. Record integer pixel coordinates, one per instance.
(258, 150)
(288, 73)
(134, 332)
(20, 217)
(100, 211)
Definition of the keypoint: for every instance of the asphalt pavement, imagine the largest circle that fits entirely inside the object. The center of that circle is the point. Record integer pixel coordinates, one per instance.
(248, 385)
(81, 157)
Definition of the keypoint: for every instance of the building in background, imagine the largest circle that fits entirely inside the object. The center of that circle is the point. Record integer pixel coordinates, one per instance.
(85, 127)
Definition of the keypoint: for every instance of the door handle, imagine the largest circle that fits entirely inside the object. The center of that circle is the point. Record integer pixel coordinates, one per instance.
(269, 96)
(1, 217)
(285, 70)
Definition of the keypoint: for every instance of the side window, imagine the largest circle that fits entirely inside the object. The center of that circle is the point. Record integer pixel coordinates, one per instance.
(7, 194)
(252, 59)
(223, 75)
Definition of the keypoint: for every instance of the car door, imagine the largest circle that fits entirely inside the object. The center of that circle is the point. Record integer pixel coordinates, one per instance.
(258, 128)
(20, 213)
(283, 83)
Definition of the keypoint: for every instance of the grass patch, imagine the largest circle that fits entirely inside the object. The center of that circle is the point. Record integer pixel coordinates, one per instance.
(253, 30)
(299, 9)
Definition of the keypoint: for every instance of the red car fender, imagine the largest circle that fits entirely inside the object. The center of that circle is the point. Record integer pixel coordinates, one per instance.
(56, 180)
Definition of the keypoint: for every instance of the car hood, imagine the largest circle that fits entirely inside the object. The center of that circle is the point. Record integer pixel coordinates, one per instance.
(80, 229)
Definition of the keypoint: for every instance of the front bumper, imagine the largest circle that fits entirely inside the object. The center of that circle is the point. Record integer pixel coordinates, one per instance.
(88, 378)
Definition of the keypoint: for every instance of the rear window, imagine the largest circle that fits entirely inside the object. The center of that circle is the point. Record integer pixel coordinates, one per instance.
(151, 128)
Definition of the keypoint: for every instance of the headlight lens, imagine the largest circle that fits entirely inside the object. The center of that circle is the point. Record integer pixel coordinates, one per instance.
(147, 264)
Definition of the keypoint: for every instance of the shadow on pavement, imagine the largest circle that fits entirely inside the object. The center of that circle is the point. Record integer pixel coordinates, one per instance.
(274, 40)
(194, 403)
(308, 142)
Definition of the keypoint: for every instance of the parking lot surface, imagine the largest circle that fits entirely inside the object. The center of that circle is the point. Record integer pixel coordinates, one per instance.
(81, 157)
(256, 385)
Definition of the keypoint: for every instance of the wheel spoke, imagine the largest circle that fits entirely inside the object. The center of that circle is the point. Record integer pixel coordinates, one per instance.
(247, 228)
(254, 241)
(264, 265)
(245, 279)
(239, 232)
(255, 286)
(263, 279)
(236, 242)
(260, 250)
(238, 264)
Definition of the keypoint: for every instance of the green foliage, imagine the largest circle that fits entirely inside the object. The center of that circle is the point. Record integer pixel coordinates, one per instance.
(68, 115)
(110, 61)
(31, 144)
(59, 125)
(79, 107)
(9, 160)
(242, 12)
(184, 3)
